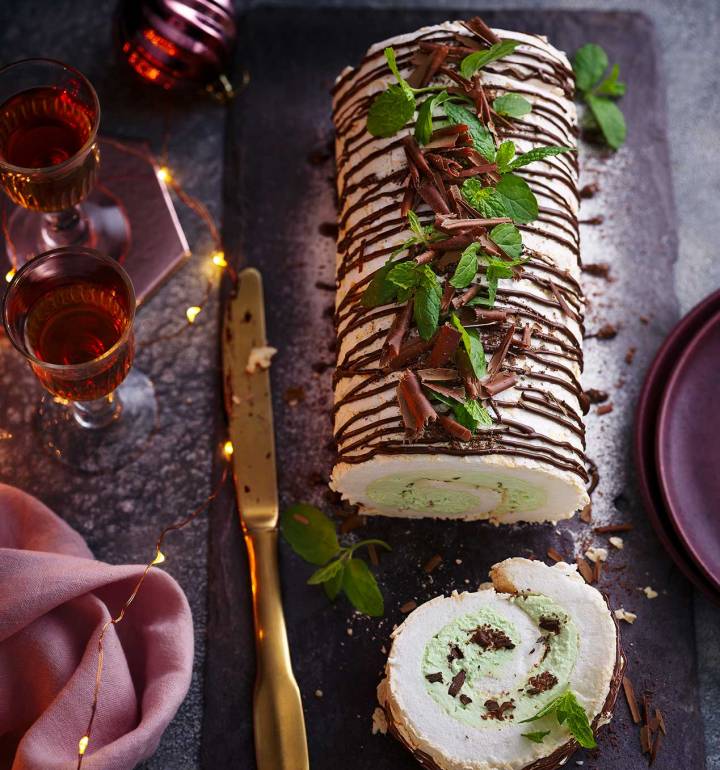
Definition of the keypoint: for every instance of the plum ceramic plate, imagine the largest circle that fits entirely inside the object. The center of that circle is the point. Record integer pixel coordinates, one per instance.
(688, 448)
(646, 424)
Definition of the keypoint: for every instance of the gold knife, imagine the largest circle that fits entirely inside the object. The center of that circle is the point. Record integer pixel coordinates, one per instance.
(279, 725)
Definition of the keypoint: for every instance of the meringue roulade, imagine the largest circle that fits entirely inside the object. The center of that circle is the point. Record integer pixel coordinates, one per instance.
(459, 310)
(468, 674)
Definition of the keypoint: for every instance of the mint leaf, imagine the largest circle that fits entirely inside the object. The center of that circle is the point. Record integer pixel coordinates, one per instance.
(609, 118)
(390, 111)
(473, 347)
(361, 588)
(424, 123)
(536, 737)
(508, 238)
(567, 709)
(482, 138)
(380, 291)
(537, 153)
(466, 268)
(472, 63)
(310, 533)
(505, 153)
(404, 275)
(328, 572)
(426, 307)
(520, 203)
(512, 105)
(589, 64)
(611, 86)
(333, 586)
(485, 199)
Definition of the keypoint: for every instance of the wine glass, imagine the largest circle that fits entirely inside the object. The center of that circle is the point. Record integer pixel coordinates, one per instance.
(70, 312)
(49, 160)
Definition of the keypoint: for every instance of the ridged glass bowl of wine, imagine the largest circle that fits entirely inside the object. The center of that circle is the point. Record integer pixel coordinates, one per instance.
(49, 160)
(70, 312)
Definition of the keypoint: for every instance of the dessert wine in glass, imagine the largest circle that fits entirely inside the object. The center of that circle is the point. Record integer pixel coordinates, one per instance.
(70, 312)
(49, 159)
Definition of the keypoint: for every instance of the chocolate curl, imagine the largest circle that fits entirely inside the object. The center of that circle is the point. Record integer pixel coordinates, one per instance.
(491, 316)
(454, 428)
(433, 199)
(447, 297)
(498, 383)
(437, 375)
(398, 330)
(457, 394)
(414, 153)
(567, 310)
(498, 356)
(467, 375)
(418, 410)
(478, 27)
(446, 342)
(411, 350)
(464, 298)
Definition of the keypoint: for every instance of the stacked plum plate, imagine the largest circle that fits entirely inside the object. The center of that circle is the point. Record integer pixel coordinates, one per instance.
(677, 445)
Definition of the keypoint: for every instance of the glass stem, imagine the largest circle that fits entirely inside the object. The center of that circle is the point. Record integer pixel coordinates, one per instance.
(98, 413)
(64, 228)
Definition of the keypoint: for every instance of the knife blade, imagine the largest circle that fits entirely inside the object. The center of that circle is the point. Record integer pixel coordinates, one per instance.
(278, 721)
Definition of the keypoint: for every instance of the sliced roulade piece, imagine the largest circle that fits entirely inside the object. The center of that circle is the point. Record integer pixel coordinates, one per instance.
(511, 677)
(459, 309)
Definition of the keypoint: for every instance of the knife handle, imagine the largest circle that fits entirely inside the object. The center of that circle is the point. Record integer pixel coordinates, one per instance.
(279, 724)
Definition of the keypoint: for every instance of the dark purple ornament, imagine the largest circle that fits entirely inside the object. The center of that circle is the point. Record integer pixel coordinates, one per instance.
(180, 45)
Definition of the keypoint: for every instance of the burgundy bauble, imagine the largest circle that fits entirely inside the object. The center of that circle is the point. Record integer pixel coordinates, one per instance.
(178, 44)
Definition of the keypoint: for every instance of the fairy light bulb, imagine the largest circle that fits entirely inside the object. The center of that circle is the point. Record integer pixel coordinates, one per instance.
(228, 449)
(218, 258)
(159, 558)
(192, 313)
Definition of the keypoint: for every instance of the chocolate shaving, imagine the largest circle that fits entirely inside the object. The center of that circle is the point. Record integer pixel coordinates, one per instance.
(433, 198)
(610, 528)
(584, 569)
(631, 700)
(498, 357)
(490, 316)
(455, 653)
(478, 27)
(464, 699)
(396, 334)
(446, 343)
(556, 556)
(499, 382)
(454, 428)
(438, 677)
(432, 563)
(418, 411)
(491, 638)
(541, 683)
(549, 623)
(457, 682)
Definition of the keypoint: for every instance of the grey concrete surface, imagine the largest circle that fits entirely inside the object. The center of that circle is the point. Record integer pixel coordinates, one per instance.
(120, 518)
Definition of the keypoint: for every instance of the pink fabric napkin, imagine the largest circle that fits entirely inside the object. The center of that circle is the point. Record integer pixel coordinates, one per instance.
(54, 599)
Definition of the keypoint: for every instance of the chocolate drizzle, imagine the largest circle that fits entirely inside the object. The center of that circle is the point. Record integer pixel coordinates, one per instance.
(533, 333)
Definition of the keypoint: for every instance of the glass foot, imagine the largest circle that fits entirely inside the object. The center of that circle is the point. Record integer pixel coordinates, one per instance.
(119, 439)
(102, 225)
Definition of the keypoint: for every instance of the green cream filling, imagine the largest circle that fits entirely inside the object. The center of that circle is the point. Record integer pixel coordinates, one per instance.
(498, 674)
(452, 493)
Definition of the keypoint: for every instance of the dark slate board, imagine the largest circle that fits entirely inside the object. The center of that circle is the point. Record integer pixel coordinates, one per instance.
(275, 202)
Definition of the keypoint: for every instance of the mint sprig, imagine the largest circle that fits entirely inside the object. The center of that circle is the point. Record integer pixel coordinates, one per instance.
(475, 61)
(567, 710)
(590, 65)
(311, 534)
